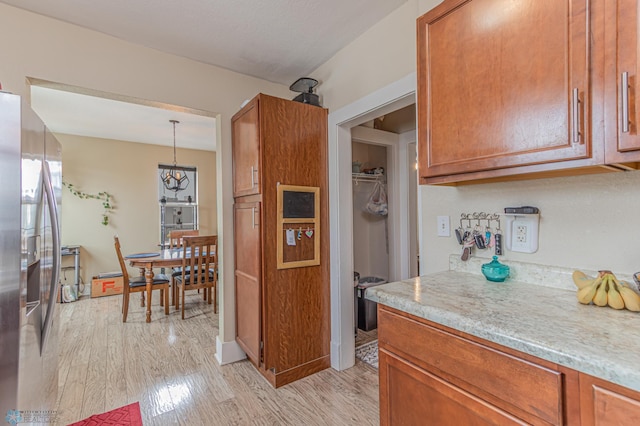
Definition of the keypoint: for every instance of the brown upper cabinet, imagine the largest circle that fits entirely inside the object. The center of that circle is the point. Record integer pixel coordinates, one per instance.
(246, 150)
(622, 105)
(512, 90)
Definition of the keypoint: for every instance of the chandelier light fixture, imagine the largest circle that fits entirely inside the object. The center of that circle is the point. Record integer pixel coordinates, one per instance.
(172, 178)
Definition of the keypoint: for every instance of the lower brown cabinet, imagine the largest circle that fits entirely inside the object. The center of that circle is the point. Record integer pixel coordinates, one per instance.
(414, 396)
(246, 234)
(604, 403)
(430, 374)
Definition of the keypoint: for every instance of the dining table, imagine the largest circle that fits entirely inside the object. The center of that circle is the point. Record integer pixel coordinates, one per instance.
(167, 258)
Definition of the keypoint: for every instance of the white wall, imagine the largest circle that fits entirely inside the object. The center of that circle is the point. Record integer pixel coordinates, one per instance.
(586, 222)
(39, 47)
(375, 59)
(371, 247)
(379, 57)
(129, 173)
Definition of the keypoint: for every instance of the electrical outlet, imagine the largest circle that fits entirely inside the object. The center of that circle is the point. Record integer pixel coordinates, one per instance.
(444, 227)
(522, 232)
(521, 235)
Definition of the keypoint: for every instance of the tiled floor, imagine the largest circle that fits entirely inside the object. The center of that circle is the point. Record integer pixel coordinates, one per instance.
(168, 366)
(368, 353)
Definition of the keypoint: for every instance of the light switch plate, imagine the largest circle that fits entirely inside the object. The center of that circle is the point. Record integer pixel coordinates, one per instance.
(444, 227)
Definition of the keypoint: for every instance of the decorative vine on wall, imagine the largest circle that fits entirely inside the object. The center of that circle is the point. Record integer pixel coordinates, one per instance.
(104, 197)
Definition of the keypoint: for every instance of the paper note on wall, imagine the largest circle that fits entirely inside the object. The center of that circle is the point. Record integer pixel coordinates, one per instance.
(291, 237)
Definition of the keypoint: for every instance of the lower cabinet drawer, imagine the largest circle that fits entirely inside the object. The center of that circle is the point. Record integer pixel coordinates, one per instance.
(514, 384)
(417, 397)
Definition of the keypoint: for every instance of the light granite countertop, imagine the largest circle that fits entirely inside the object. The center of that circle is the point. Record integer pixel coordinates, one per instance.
(541, 320)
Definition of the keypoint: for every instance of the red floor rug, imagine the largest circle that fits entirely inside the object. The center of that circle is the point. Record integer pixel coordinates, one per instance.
(129, 415)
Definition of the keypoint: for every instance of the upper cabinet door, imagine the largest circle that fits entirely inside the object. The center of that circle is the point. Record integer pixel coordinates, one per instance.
(623, 102)
(502, 84)
(246, 150)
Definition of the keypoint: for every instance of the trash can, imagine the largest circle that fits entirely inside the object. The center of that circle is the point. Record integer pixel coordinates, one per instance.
(367, 310)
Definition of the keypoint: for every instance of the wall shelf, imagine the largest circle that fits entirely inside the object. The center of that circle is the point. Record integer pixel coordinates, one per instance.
(368, 177)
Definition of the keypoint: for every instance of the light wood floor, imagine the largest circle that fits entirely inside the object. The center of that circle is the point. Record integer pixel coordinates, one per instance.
(365, 337)
(168, 366)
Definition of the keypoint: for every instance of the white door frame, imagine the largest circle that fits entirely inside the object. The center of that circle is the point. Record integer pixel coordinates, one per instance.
(383, 101)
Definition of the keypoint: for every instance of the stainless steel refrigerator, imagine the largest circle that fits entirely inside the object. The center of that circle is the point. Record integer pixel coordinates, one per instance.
(30, 194)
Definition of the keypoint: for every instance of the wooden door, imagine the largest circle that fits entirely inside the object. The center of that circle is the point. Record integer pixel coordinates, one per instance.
(502, 84)
(410, 395)
(248, 279)
(603, 403)
(623, 102)
(245, 127)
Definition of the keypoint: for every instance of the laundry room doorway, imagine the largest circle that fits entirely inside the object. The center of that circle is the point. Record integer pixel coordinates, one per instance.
(363, 123)
(381, 214)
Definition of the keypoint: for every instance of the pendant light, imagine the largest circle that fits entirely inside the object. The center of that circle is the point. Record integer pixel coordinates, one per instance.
(171, 177)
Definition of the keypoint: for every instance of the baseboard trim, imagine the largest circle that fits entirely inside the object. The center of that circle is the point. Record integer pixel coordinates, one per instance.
(299, 372)
(228, 352)
(342, 356)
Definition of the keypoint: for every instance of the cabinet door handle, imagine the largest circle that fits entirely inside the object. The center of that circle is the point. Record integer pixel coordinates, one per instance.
(575, 116)
(624, 94)
(254, 222)
(254, 172)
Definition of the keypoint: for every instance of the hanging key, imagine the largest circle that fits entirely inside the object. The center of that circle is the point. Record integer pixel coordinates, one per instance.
(498, 249)
(479, 240)
(469, 242)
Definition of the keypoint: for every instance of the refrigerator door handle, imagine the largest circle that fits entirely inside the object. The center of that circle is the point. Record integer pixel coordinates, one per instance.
(55, 235)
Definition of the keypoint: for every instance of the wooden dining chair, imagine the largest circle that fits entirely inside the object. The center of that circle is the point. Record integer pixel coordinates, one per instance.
(175, 236)
(175, 241)
(139, 284)
(199, 269)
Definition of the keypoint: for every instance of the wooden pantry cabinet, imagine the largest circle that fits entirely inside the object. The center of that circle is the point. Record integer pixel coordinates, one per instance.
(282, 314)
(512, 90)
(431, 374)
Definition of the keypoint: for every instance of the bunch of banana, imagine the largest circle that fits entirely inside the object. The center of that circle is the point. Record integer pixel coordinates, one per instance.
(605, 289)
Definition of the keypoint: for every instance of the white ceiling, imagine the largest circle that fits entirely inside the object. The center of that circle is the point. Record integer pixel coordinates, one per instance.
(275, 40)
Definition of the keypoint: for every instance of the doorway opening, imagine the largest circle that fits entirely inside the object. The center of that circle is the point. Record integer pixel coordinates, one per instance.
(356, 123)
(114, 144)
(376, 163)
